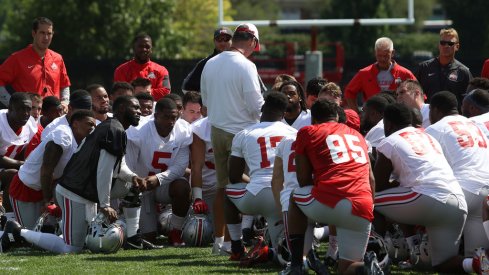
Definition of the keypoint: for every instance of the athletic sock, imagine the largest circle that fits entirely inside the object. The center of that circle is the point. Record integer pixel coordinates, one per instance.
(467, 265)
(235, 231)
(247, 221)
(297, 247)
(132, 220)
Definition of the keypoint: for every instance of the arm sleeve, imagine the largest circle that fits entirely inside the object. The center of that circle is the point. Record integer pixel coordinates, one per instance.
(354, 87)
(192, 81)
(65, 95)
(176, 170)
(125, 173)
(252, 92)
(236, 147)
(7, 71)
(64, 82)
(105, 170)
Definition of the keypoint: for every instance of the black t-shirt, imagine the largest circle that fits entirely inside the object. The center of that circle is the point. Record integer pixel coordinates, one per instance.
(80, 174)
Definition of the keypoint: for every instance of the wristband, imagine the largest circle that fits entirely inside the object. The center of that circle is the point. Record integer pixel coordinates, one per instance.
(197, 192)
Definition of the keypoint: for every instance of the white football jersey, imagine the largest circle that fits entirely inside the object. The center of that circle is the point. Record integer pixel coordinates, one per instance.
(419, 163)
(257, 145)
(62, 120)
(30, 171)
(286, 151)
(11, 143)
(202, 129)
(304, 119)
(148, 153)
(425, 113)
(483, 122)
(466, 150)
(376, 134)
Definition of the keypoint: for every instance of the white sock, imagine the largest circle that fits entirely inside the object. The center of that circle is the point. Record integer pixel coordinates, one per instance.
(48, 242)
(486, 227)
(333, 247)
(132, 220)
(235, 231)
(246, 221)
(219, 240)
(176, 222)
(308, 239)
(467, 265)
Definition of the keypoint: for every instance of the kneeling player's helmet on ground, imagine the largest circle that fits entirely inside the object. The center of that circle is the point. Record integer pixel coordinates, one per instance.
(197, 230)
(47, 223)
(103, 237)
(377, 244)
(164, 219)
(397, 245)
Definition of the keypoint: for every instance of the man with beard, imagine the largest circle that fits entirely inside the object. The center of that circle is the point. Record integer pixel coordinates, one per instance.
(296, 115)
(96, 172)
(100, 102)
(142, 66)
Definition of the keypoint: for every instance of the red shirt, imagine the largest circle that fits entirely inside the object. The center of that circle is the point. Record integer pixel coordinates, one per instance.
(340, 164)
(485, 69)
(352, 119)
(157, 74)
(26, 71)
(365, 81)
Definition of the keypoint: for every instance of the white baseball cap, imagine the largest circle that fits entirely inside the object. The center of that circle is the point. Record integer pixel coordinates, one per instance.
(250, 28)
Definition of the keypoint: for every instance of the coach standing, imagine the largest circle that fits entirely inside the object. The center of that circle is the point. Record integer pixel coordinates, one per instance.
(232, 94)
(36, 68)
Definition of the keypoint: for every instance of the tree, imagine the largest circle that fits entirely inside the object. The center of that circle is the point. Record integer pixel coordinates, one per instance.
(105, 29)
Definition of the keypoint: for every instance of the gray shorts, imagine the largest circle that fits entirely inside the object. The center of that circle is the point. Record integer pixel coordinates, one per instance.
(26, 213)
(352, 231)
(261, 204)
(444, 222)
(75, 220)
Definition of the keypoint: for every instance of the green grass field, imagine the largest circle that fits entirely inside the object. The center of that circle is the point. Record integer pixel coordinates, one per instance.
(187, 260)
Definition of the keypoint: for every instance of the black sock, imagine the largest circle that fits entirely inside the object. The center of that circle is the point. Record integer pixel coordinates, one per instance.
(237, 246)
(297, 246)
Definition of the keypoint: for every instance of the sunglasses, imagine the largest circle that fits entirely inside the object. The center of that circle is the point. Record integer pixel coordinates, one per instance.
(222, 38)
(449, 43)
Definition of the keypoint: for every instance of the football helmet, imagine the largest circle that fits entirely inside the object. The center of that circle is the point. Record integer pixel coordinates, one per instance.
(197, 230)
(164, 218)
(396, 245)
(424, 252)
(377, 244)
(103, 237)
(283, 252)
(46, 223)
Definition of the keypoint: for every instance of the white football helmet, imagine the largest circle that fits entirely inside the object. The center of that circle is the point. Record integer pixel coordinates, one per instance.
(48, 224)
(397, 245)
(164, 218)
(103, 237)
(197, 230)
(424, 252)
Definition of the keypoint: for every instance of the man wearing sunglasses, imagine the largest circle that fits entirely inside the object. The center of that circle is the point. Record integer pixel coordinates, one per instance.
(222, 42)
(444, 73)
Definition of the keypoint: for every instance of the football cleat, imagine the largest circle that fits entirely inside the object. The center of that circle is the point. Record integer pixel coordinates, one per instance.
(219, 250)
(237, 256)
(371, 264)
(314, 263)
(258, 254)
(11, 235)
(136, 242)
(293, 270)
(175, 238)
(480, 263)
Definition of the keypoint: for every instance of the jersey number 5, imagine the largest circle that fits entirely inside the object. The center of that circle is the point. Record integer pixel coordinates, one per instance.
(156, 161)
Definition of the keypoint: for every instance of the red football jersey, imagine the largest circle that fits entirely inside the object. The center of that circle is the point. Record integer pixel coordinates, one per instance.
(340, 164)
(26, 71)
(157, 74)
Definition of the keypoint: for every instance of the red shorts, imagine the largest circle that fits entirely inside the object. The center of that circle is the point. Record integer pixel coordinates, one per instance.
(19, 191)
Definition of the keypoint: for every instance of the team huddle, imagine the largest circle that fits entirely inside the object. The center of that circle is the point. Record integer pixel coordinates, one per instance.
(259, 176)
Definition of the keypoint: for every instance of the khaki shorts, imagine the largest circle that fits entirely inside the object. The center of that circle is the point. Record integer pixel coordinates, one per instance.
(221, 145)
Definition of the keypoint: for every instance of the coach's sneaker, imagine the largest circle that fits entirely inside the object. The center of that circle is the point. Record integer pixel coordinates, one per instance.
(293, 270)
(314, 263)
(371, 264)
(11, 235)
(480, 263)
(175, 238)
(138, 243)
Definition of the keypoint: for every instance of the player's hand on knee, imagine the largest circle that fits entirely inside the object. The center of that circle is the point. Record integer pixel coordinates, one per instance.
(200, 207)
(110, 213)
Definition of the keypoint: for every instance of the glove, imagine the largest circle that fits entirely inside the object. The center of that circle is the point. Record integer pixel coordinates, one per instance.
(200, 207)
(54, 210)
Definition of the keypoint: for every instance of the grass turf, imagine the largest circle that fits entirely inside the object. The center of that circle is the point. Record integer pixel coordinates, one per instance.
(188, 260)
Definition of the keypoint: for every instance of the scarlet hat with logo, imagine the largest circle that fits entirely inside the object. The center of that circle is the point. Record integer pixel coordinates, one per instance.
(250, 28)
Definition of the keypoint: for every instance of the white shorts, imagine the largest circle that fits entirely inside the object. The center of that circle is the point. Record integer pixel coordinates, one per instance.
(444, 222)
(352, 231)
(261, 204)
